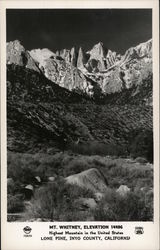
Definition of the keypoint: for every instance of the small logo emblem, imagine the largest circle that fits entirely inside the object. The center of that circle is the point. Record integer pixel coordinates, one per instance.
(139, 230)
(27, 230)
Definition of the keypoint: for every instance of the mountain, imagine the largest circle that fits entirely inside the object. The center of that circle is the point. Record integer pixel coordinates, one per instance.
(123, 72)
(47, 108)
(101, 67)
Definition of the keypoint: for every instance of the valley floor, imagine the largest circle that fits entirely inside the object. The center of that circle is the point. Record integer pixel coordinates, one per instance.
(73, 187)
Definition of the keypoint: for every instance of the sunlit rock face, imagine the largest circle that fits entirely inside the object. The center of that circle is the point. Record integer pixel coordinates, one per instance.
(16, 54)
(75, 69)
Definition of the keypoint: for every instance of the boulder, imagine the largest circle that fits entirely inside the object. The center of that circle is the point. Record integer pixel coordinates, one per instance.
(38, 179)
(123, 190)
(90, 179)
(98, 196)
(29, 187)
(51, 178)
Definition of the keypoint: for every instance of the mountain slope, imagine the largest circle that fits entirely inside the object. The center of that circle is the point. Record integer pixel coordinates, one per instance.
(36, 112)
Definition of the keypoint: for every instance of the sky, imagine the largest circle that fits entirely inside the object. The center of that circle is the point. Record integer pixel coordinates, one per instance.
(118, 29)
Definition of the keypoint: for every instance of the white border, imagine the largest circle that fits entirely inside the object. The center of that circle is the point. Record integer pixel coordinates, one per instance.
(12, 233)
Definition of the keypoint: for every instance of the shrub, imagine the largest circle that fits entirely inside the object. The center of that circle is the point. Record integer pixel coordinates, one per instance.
(21, 167)
(75, 191)
(98, 148)
(76, 166)
(142, 145)
(104, 214)
(132, 207)
(15, 203)
(55, 201)
(76, 215)
(45, 202)
(13, 187)
(104, 211)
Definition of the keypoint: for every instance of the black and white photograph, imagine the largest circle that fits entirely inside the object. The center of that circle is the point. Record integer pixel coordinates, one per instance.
(79, 103)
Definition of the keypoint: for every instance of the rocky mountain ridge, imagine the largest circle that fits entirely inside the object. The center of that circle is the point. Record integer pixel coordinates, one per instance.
(82, 71)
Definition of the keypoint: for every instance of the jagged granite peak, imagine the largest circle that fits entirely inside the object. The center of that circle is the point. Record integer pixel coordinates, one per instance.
(97, 60)
(16, 54)
(98, 51)
(61, 69)
(40, 55)
(81, 60)
(112, 58)
(125, 71)
(73, 53)
(65, 54)
(57, 53)
(70, 56)
(141, 50)
(136, 64)
(14, 50)
(145, 49)
(106, 56)
(147, 46)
